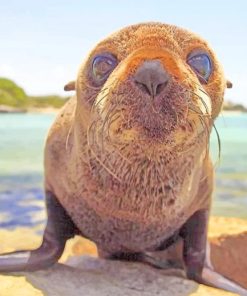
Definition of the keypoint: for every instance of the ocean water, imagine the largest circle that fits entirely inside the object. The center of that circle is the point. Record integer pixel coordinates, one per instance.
(22, 138)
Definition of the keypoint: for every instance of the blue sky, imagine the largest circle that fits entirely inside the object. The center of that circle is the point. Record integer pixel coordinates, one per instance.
(44, 42)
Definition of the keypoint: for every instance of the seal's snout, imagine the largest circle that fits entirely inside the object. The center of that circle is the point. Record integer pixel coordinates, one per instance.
(151, 77)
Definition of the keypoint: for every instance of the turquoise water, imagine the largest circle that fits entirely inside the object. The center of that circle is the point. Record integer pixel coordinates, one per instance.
(230, 198)
(21, 168)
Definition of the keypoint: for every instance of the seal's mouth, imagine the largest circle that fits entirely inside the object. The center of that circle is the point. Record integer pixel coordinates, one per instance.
(171, 117)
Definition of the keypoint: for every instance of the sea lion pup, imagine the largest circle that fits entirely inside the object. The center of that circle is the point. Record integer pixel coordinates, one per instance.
(126, 161)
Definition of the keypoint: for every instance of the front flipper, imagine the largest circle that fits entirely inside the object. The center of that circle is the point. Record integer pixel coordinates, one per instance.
(196, 260)
(59, 228)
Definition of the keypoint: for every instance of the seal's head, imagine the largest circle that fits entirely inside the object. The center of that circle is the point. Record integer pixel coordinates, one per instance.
(151, 85)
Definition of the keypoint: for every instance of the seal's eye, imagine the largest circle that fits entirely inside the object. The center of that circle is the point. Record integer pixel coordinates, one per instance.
(201, 64)
(102, 66)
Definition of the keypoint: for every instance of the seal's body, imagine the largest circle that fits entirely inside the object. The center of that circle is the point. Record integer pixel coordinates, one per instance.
(116, 215)
(126, 161)
(135, 207)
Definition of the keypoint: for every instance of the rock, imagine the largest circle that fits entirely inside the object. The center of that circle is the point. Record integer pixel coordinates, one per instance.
(92, 276)
(98, 277)
(219, 226)
(83, 275)
(228, 237)
(229, 257)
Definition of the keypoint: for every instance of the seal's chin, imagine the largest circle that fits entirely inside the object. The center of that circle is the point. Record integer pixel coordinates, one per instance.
(165, 121)
(154, 131)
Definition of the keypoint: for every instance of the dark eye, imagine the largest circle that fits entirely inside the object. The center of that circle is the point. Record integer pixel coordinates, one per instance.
(102, 66)
(201, 64)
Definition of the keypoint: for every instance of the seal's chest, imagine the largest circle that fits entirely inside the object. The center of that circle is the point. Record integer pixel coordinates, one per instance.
(113, 232)
(129, 216)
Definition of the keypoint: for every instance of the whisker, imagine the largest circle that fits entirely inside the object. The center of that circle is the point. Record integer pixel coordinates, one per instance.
(202, 90)
(69, 132)
(98, 102)
(110, 171)
(89, 129)
(93, 96)
(104, 166)
(201, 99)
(207, 132)
(106, 118)
(67, 138)
(219, 142)
(205, 105)
(110, 122)
(121, 155)
(198, 113)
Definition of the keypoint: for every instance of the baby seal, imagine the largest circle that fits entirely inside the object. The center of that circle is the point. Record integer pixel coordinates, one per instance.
(126, 161)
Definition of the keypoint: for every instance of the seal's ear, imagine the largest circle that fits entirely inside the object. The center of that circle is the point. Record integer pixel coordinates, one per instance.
(69, 86)
(228, 84)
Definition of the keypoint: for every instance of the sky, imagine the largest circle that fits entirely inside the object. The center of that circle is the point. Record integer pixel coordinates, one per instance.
(43, 43)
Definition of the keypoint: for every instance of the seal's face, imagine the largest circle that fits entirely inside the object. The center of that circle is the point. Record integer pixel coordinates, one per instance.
(151, 84)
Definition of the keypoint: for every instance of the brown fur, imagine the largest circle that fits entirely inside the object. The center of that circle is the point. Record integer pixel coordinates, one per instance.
(130, 172)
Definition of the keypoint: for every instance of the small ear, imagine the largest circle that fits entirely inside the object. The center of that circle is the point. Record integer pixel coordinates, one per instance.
(228, 84)
(69, 86)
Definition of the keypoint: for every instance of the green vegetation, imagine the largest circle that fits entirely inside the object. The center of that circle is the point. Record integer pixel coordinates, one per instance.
(12, 95)
(47, 101)
(229, 106)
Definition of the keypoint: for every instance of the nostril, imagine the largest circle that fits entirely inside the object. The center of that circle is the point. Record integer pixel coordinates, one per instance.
(152, 89)
(151, 77)
(146, 88)
(161, 87)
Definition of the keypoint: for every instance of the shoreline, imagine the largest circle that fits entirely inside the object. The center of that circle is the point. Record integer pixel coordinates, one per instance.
(13, 110)
(232, 112)
(44, 110)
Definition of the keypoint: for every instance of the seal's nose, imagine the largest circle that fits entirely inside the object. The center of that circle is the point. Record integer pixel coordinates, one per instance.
(151, 77)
